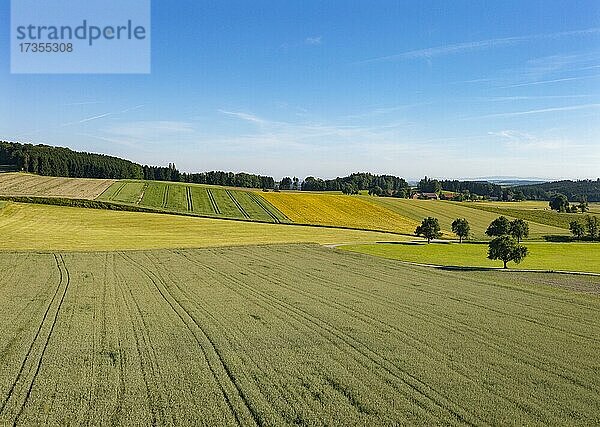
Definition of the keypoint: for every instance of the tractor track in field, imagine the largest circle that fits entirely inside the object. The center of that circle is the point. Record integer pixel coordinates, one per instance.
(260, 202)
(146, 354)
(48, 321)
(165, 200)
(190, 201)
(141, 196)
(484, 338)
(121, 187)
(297, 399)
(367, 318)
(331, 333)
(213, 202)
(237, 204)
(208, 348)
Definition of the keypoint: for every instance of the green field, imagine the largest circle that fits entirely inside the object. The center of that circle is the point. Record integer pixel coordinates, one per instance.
(446, 212)
(537, 212)
(542, 255)
(235, 336)
(194, 199)
(46, 227)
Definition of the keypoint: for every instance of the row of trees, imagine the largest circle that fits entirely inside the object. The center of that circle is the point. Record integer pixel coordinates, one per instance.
(379, 185)
(58, 161)
(505, 245)
(589, 229)
(481, 188)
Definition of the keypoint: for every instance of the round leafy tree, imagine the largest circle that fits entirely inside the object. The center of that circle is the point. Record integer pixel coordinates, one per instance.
(506, 249)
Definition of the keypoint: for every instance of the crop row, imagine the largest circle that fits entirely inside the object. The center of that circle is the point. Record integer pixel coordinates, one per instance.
(201, 200)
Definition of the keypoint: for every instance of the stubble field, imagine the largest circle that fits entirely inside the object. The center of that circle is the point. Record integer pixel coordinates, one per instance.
(20, 184)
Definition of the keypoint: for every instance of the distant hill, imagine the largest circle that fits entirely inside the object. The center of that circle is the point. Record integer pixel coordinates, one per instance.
(574, 190)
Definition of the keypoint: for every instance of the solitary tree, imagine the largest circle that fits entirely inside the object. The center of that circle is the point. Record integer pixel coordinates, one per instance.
(559, 202)
(506, 248)
(577, 229)
(593, 226)
(429, 228)
(519, 229)
(460, 227)
(499, 227)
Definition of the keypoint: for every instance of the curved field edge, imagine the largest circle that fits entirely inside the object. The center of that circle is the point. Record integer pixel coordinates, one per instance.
(543, 256)
(47, 227)
(236, 336)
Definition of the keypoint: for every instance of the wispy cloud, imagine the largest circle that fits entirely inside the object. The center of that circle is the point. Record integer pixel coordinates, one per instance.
(456, 48)
(244, 116)
(539, 111)
(101, 116)
(76, 104)
(544, 82)
(315, 40)
(150, 130)
(524, 141)
(534, 98)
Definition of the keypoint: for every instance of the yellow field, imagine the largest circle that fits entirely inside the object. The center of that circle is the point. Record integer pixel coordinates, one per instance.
(339, 210)
(45, 227)
(22, 184)
(595, 207)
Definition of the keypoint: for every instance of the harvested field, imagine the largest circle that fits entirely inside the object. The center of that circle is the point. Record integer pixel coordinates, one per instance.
(20, 184)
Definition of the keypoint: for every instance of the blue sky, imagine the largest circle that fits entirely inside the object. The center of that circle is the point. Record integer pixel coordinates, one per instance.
(444, 89)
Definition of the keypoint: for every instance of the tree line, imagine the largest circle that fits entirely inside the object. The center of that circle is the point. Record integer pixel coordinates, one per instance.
(379, 185)
(505, 245)
(58, 161)
(573, 190)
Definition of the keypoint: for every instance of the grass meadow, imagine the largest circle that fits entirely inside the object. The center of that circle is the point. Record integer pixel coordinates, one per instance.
(542, 255)
(536, 212)
(446, 212)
